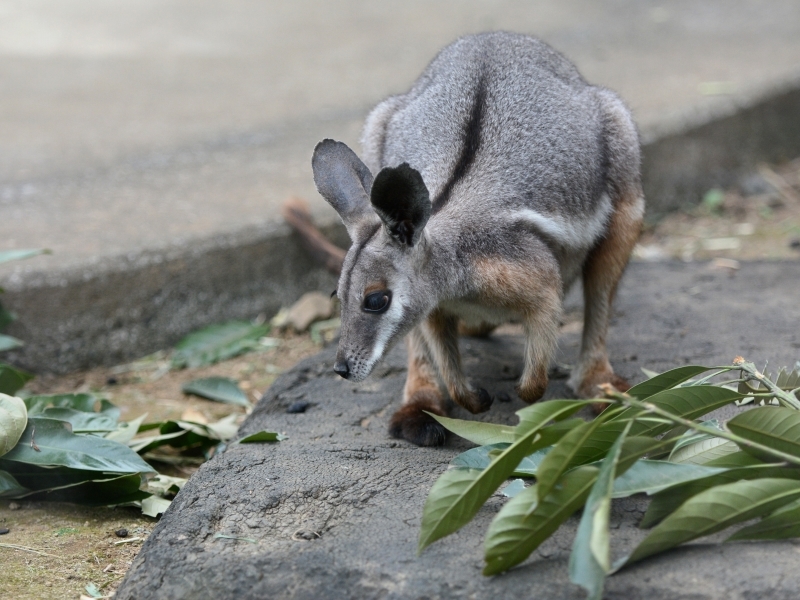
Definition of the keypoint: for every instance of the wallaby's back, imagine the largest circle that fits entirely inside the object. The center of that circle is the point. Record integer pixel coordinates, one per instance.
(501, 123)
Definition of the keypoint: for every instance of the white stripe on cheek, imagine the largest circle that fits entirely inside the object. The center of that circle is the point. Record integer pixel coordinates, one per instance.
(389, 325)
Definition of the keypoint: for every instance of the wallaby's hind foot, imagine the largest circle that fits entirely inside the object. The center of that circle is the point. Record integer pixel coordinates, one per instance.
(411, 423)
(590, 386)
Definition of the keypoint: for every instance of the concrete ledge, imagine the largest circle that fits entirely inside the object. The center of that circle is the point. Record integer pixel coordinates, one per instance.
(124, 307)
(688, 155)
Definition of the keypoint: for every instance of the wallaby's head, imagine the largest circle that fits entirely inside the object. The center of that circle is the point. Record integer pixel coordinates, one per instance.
(382, 287)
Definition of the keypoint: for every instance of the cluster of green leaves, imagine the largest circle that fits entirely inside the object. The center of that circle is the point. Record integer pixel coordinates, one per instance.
(72, 447)
(703, 477)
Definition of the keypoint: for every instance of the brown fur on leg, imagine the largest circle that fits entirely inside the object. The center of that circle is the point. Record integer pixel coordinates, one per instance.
(412, 424)
(482, 330)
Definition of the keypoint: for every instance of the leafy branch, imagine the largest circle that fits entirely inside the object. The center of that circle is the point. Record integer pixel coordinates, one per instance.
(703, 477)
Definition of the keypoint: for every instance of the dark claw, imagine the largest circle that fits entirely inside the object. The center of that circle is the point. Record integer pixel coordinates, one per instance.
(485, 400)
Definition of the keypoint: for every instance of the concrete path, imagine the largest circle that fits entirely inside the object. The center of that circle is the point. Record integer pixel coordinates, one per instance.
(335, 509)
(143, 140)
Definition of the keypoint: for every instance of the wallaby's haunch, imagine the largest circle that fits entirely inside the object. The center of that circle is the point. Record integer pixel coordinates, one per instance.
(501, 177)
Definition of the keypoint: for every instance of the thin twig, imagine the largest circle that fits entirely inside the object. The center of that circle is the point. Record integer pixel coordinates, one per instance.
(26, 549)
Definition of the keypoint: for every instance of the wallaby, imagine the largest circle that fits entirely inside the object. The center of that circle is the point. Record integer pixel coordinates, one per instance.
(501, 176)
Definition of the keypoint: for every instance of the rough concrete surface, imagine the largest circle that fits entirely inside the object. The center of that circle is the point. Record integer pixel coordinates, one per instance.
(335, 509)
(138, 137)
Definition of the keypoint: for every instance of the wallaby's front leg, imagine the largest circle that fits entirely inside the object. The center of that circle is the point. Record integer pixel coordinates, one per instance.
(441, 334)
(421, 395)
(541, 336)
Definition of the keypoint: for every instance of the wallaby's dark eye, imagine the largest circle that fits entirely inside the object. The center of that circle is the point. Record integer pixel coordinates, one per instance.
(377, 302)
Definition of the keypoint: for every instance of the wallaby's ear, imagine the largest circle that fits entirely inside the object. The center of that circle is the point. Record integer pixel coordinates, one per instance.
(402, 201)
(344, 181)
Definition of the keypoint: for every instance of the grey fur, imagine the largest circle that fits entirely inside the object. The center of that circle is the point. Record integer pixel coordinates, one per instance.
(527, 164)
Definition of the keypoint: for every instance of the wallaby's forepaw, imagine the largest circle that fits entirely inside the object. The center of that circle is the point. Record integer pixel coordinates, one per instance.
(530, 393)
(412, 424)
(475, 402)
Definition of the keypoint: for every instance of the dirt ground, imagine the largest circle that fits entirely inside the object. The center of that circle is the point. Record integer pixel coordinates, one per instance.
(68, 547)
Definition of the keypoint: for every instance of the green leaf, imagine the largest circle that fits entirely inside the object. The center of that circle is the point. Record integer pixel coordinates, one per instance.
(92, 590)
(221, 389)
(82, 422)
(703, 451)
(12, 380)
(477, 432)
(773, 426)
(665, 381)
(714, 510)
(164, 485)
(125, 432)
(146, 444)
(536, 416)
(218, 342)
(524, 522)
(459, 493)
(590, 560)
(58, 446)
(88, 403)
(667, 500)
(783, 524)
(514, 488)
(480, 458)
(9, 486)
(103, 490)
(9, 343)
(153, 506)
(688, 403)
(651, 476)
(737, 459)
(560, 458)
(262, 436)
(6, 317)
(8, 255)
(223, 430)
(13, 419)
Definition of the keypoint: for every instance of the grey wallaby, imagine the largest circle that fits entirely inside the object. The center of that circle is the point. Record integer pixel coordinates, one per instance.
(500, 177)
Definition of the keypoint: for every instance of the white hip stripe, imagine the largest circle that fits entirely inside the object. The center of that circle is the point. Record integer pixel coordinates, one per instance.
(579, 232)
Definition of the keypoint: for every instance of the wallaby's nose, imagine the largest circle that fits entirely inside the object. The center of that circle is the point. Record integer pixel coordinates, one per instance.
(342, 368)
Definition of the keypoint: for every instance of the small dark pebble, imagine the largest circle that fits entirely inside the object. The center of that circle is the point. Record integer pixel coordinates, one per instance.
(633, 357)
(298, 407)
(503, 397)
(4, 530)
(121, 532)
(795, 244)
(112, 381)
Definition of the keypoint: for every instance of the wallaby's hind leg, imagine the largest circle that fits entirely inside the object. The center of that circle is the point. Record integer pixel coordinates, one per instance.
(421, 394)
(601, 274)
(606, 262)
